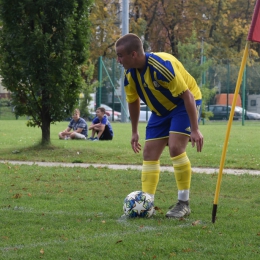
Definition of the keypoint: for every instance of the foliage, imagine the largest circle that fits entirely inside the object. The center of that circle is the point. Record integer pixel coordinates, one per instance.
(163, 24)
(43, 44)
(221, 26)
(87, 71)
(5, 102)
(190, 55)
(105, 28)
(207, 95)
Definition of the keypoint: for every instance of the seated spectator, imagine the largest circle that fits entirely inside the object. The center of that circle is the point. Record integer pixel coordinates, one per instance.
(101, 126)
(78, 125)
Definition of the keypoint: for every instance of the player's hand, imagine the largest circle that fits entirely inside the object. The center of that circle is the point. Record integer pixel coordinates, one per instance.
(136, 146)
(197, 138)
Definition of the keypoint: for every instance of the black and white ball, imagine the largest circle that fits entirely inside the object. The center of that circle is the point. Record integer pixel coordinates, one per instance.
(138, 204)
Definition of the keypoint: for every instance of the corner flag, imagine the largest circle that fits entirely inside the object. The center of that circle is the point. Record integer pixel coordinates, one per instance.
(254, 36)
(254, 33)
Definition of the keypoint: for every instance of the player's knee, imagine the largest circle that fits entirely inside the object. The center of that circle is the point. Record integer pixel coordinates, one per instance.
(176, 150)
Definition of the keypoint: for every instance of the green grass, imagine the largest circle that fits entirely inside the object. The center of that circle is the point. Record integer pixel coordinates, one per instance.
(75, 213)
(19, 142)
(6, 113)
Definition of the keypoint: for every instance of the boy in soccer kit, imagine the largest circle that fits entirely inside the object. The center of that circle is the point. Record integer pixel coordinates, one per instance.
(174, 98)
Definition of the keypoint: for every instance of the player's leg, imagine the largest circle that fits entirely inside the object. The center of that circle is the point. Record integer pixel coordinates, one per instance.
(182, 172)
(75, 135)
(178, 140)
(61, 135)
(93, 132)
(151, 164)
(157, 133)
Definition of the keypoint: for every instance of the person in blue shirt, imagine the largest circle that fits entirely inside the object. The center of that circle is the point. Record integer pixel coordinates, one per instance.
(101, 126)
(79, 127)
(173, 96)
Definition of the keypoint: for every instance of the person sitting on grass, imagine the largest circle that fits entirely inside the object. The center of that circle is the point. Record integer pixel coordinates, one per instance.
(79, 127)
(101, 126)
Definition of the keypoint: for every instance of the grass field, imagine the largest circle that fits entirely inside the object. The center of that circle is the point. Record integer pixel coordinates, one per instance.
(75, 213)
(19, 142)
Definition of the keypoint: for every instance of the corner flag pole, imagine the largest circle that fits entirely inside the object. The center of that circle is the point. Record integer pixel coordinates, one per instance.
(253, 35)
(224, 151)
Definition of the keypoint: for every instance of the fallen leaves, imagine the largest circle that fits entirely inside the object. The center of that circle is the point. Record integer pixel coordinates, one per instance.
(17, 196)
(195, 223)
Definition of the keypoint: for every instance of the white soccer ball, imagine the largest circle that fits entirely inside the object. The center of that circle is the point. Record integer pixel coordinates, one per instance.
(138, 204)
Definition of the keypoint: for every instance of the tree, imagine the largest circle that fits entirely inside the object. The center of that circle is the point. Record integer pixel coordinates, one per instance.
(190, 56)
(87, 71)
(43, 44)
(105, 29)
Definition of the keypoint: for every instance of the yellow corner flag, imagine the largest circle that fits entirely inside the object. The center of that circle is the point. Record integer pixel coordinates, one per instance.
(253, 35)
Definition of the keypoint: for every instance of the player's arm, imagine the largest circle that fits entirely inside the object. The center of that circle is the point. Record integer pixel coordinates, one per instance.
(79, 130)
(67, 130)
(134, 111)
(91, 126)
(190, 105)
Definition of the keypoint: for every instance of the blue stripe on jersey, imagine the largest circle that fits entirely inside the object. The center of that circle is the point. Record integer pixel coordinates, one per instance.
(126, 82)
(164, 68)
(157, 105)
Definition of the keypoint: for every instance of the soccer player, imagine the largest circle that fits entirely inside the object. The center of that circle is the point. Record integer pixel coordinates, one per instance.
(174, 98)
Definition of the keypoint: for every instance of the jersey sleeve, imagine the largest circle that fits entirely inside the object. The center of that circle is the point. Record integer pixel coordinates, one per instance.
(130, 88)
(186, 81)
(176, 78)
(104, 120)
(95, 121)
(171, 78)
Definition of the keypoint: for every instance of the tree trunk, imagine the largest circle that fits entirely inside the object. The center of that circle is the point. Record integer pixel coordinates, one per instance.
(46, 122)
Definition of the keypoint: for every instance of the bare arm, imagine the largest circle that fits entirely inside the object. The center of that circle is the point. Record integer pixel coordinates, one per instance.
(195, 136)
(79, 130)
(98, 127)
(134, 110)
(95, 126)
(66, 131)
(91, 126)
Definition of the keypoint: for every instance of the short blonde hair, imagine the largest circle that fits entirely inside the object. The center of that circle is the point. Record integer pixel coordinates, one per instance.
(76, 111)
(131, 42)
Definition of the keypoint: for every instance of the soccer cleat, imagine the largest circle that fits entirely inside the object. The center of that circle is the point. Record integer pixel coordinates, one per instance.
(95, 139)
(180, 210)
(90, 138)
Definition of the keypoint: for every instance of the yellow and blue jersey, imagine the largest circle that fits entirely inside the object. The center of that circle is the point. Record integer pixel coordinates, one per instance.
(160, 84)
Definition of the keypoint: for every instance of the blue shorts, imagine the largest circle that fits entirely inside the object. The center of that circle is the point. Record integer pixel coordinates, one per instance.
(177, 121)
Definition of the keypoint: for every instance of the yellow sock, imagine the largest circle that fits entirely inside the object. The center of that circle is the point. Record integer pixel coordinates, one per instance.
(150, 176)
(182, 171)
